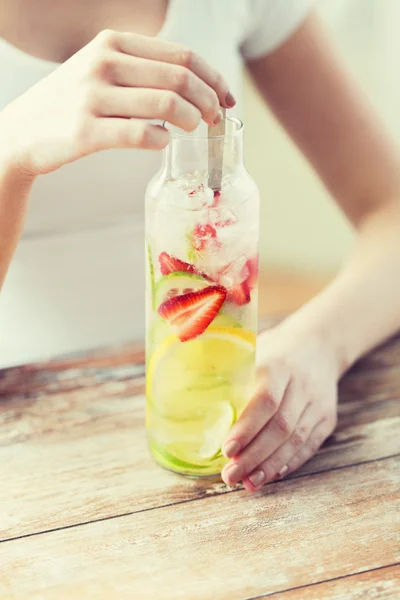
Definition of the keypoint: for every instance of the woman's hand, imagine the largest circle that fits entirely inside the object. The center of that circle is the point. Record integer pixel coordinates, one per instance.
(291, 414)
(103, 96)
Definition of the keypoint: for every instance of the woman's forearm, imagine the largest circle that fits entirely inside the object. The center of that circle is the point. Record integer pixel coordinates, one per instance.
(15, 186)
(361, 307)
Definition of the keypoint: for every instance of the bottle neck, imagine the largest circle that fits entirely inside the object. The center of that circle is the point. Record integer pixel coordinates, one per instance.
(191, 155)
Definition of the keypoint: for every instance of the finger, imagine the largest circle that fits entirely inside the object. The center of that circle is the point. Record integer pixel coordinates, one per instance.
(148, 104)
(279, 428)
(261, 408)
(123, 70)
(317, 437)
(168, 52)
(277, 463)
(124, 133)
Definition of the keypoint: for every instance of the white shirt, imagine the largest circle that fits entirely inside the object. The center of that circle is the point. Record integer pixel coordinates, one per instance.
(76, 279)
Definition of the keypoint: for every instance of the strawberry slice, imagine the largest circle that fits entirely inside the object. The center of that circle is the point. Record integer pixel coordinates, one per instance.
(202, 234)
(239, 294)
(190, 314)
(252, 265)
(170, 264)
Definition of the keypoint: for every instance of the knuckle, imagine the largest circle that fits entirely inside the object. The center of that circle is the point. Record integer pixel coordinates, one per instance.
(169, 104)
(182, 79)
(187, 57)
(124, 137)
(270, 402)
(143, 134)
(90, 100)
(298, 438)
(105, 66)
(283, 425)
(107, 38)
(83, 133)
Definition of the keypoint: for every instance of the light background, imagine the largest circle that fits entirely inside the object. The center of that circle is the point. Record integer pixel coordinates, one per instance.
(302, 230)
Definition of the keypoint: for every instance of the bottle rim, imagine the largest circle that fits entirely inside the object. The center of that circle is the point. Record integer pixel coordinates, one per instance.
(177, 133)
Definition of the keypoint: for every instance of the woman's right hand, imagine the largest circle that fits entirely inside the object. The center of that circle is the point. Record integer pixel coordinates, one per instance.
(102, 97)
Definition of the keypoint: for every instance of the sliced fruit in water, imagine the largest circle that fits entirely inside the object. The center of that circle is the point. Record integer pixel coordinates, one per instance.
(170, 264)
(226, 321)
(167, 460)
(160, 329)
(217, 425)
(191, 314)
(180, 282)
(203, 236)
(150, 267)
(239, 294)
(199, 442)
(252, 265)
(184, 380)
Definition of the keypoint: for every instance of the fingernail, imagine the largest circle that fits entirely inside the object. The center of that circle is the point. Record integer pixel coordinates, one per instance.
(257, 477)
(234, 473)
(282, 472)
(218, 118)
(230, 100)
(231, 448)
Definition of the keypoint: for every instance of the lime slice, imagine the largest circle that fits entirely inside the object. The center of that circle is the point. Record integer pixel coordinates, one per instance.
(197, 443)
(217, 426)
(150, 268)
(169, 461)
(179, 282)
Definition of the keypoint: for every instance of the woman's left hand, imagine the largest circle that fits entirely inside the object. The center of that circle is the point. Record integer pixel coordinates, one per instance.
(292, 412)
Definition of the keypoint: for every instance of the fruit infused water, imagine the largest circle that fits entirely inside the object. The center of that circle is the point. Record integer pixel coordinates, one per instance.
(201, 300)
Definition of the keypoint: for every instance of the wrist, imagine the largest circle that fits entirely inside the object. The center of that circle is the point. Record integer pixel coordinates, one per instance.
(318, 330)
(12, 162)
(13, 171)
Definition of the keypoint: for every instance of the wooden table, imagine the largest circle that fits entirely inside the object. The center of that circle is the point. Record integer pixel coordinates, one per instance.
(86, 514)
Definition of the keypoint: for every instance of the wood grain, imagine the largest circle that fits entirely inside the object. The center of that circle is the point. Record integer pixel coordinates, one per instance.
(380, 584)
(292, 534)
(73, 447)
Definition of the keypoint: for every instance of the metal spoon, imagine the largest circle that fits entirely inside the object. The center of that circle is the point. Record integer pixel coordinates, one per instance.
(216, 153)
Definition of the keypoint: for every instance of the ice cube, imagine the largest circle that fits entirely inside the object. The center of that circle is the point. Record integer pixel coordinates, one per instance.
(222, 216)
(234, 273)
(199, 197)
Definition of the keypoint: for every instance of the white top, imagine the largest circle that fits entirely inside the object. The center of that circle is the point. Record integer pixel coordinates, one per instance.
(76, 280)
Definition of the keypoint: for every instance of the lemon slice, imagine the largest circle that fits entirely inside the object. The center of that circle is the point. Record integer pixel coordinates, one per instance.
(237, 343)
(185, 379)
(195, 391)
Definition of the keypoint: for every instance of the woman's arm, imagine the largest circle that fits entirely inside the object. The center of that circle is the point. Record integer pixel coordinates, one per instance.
(15, 186)
(331, 121)
(105, 96)
(300, 362)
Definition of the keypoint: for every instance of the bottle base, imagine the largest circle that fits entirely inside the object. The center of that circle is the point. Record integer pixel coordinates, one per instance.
(211, 469)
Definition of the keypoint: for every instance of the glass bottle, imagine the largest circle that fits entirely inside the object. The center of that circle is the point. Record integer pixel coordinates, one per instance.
(201, 297)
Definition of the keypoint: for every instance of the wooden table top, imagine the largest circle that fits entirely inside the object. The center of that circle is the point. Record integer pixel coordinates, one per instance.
(86, 514)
